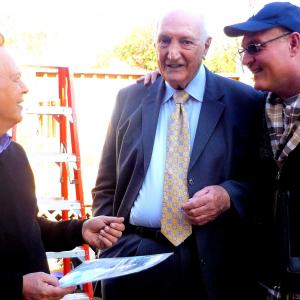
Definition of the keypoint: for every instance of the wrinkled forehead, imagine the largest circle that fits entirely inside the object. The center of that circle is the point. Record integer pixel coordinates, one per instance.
(180, 22)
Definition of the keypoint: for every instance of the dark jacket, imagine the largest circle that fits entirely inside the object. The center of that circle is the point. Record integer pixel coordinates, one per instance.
(278, 220)
(24, 237)
(225, 152)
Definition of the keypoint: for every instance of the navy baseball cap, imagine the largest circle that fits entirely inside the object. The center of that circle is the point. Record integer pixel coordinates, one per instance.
(275, 14)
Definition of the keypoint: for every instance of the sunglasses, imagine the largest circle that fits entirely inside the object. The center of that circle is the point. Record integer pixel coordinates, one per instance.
(252, 49)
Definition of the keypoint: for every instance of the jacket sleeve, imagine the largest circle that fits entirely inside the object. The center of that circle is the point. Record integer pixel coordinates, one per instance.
(11, 285)
(243, 186)
(62, 235)
(240, 193)
(104, 191)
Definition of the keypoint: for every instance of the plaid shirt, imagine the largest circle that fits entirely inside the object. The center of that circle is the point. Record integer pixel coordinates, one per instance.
(283, 121)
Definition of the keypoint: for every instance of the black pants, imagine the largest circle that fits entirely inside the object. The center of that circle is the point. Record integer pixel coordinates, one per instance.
(176, 278)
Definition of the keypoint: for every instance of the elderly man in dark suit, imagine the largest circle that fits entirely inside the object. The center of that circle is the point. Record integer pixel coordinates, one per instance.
(211, 179)
(25, 236)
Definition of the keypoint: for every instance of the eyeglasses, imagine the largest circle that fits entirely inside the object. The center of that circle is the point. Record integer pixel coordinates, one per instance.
(252, 49)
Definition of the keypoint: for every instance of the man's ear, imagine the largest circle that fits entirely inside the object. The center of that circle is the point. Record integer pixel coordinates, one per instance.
(294, 43)
(207, 45)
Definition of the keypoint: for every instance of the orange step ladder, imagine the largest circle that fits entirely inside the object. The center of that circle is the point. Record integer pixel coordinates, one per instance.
(58, 123)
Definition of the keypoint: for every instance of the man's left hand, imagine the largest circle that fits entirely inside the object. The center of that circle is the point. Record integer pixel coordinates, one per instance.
(206, 205)
(103, 231)
(149, 78)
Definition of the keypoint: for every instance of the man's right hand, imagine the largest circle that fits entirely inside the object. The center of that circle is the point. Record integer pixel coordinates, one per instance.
(207, 204)
(42, 286)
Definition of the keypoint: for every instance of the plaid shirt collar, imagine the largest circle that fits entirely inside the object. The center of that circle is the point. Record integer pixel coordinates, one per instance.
(283, 120)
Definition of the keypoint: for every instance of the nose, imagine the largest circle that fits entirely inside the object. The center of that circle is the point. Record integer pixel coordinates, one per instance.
(247, 58)
(24, 87)
(173, 51)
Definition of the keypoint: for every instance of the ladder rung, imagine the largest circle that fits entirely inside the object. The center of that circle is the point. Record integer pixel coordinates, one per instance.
(53, 157)
(76, 252)
(48, 110)
(76, 296)
(57, 203)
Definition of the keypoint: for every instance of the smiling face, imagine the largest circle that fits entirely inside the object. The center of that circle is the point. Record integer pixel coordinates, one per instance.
(12, 90)
(181, 44)
(273, 66)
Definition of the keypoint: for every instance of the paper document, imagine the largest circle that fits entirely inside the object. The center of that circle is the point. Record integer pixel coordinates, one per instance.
(105, 268)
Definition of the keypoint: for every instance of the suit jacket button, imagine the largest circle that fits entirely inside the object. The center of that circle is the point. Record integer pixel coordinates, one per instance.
(202, 261)
(191, 181)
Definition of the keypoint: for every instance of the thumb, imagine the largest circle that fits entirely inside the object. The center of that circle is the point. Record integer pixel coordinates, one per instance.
(49, 279)
(202, 192)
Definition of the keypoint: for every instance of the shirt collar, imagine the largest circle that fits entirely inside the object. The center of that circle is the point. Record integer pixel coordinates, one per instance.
(195, 88)
(273, 99)
(293, 99)
(5, 141)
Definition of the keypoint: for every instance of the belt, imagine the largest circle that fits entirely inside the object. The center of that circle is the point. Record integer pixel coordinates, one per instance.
(151, 233)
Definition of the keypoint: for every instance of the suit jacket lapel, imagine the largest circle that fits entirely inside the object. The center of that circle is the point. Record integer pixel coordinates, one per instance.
(150, 112)
(210, 114)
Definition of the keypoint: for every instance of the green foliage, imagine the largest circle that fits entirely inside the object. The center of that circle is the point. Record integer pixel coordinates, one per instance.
(223, 56)
(104, 59)
(138, 50)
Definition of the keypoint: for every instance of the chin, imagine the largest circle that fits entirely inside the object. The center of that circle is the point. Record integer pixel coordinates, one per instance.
(176, 83)
(18, 119)
(260, 86)
(260, 82)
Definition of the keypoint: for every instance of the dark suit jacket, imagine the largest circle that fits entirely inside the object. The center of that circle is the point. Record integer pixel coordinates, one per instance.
(24, 237)
(225, 152)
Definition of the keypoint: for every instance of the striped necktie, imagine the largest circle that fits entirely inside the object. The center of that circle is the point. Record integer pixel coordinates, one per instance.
(173, 223)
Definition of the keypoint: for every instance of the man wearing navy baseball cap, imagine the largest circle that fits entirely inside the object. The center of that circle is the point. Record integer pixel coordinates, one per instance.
(271, 50)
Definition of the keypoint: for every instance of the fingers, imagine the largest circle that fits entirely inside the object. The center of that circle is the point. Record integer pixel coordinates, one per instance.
(140, 79)
(107, 236)
(149, 78)
(206, 205)
(117, 227)
(111, 235)
(109, 219)
(102, 231)
(57, 292)
(201, 215)
(106, 240)
(199, 199)
(199, 211)
(154, 75)
(50, 280)
(43, 286)
(114, 230)
(103, 240)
